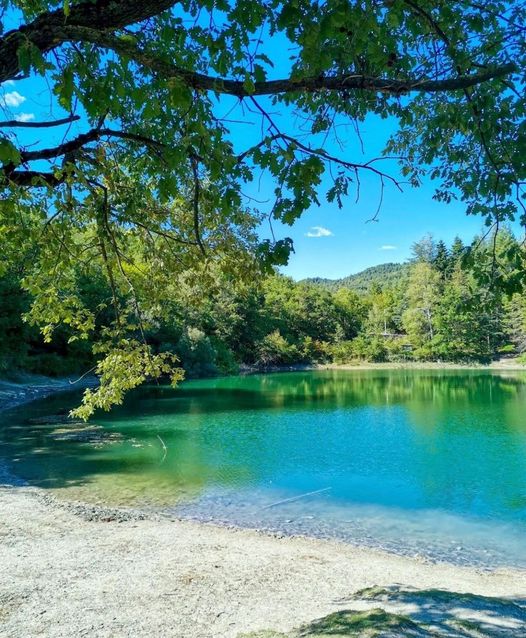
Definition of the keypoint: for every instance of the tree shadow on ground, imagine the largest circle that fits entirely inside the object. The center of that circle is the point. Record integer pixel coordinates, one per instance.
(396, 612)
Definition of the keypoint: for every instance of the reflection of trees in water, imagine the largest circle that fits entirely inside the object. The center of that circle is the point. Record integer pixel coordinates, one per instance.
(328, 388)
(390, 387)
(228, 432)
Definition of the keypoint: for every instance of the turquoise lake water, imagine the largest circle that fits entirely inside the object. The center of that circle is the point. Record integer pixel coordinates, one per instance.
(421, 462)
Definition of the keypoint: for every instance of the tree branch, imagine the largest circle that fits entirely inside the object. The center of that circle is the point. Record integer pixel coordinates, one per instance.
(93, 23)
(321, 153)
(31, 178)
(197, 191)
(44, 32)
(18, 123)
(238, 88)
(81, 140)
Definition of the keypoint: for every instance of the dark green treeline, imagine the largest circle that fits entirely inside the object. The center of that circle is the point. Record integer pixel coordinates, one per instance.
(449, 303)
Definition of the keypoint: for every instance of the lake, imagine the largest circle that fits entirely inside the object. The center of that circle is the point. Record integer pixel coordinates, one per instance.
(422, 462)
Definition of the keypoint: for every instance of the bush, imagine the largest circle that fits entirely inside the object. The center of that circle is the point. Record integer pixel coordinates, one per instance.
(274, 349)
(196, 353)
(315, 351)
(342, 352)
(509, 348)
(398, 349)
(225, 361)
(362, 348)
(369, 348)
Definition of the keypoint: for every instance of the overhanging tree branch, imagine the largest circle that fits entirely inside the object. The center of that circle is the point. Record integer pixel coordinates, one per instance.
(82, 140)
(32, 178)
(67, 149)
(94, 23)
(43, 33)
(21, 124)
(239, 89)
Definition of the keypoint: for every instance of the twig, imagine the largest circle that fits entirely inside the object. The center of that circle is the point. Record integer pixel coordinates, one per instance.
(164, 448)
(82, 376)
(295, 498)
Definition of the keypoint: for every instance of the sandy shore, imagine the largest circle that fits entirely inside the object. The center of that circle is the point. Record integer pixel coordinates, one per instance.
(72, 571)
(75, 570)
(29, 387)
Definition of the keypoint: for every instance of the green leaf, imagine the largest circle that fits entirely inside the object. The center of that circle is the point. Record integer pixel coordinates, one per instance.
(9, 154)
(65, 88)
(249, 86)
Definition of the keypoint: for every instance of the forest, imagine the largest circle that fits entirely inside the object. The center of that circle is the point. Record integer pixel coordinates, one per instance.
(436, 307)
(166, 135)
(158, 160)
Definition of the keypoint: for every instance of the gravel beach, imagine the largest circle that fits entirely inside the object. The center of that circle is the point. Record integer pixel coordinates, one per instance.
(74, 570)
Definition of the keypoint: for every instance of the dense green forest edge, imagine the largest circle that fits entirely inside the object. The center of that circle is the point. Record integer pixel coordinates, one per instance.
(448, 303)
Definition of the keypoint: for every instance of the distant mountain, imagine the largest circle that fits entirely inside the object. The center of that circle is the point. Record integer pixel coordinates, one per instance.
(383, 275)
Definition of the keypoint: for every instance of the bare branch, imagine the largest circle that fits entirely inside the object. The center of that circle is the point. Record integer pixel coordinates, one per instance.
(19, 124)
(321, 153)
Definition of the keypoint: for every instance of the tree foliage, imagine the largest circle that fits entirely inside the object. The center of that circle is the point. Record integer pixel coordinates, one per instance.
(442, 312)
(141, 178)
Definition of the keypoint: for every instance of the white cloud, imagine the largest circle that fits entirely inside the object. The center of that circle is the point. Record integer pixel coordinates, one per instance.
(318, 231)
(8, 83)
(13, 99)
(25, 117)
(388, 247)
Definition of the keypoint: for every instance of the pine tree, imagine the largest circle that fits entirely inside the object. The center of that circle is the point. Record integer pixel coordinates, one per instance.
(457, 251)
(441, 260)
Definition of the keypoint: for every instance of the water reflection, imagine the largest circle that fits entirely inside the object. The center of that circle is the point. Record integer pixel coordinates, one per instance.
(428, 441)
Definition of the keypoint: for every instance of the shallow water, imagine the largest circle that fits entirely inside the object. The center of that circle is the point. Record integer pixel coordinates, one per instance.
(431, 463)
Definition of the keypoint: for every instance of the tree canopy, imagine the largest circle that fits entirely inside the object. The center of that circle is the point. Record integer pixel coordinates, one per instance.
(140, 178)
(436, 309)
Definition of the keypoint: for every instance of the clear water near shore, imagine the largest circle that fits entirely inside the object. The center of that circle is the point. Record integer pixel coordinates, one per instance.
(422, 462)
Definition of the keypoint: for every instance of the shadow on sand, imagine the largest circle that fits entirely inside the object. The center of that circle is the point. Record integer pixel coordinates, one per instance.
(394, 612)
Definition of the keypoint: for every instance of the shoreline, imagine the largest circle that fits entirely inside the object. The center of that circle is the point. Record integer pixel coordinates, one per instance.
(501, 365)
(70, 570)
(511, 365)
(28, 387)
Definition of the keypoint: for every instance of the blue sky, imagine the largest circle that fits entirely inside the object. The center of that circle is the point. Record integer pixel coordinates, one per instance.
(328, 242)
(355, 244)
(333, 243)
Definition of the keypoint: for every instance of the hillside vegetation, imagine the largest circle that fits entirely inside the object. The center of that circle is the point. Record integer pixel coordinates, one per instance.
(362, 282)
(132, 196)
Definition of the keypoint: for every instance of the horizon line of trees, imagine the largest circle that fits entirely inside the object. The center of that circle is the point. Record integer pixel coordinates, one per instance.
(452, 303)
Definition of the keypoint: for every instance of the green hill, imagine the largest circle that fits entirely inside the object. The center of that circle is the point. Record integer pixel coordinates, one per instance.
(383, 275)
